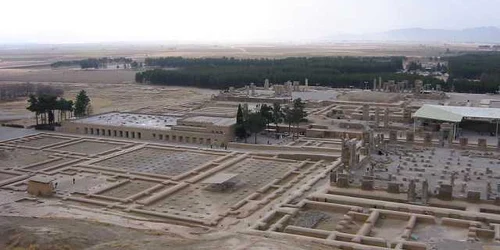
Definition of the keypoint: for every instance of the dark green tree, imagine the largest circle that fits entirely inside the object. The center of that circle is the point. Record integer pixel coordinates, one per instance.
(240, 128)
(239, 115)
(34, 106)
(277, 115)
(266, 113)
(298, 113)
(256, 123)
(82, 104)
(288, 117)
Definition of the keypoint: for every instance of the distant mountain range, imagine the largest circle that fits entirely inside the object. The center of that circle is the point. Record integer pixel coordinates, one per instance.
(471, 35)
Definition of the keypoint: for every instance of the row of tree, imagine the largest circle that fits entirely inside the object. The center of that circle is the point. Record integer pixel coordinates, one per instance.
(252, 122)
(45, 106)
(477, 72)
(336, 64)
(221, 73)
(96, 63)
(12, 91)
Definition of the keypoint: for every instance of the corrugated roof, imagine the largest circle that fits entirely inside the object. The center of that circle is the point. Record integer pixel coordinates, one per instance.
(41, 179)
(456, 113)
(219, 178)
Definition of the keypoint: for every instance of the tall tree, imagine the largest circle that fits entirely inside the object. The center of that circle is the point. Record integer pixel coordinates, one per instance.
(239, 129)
(266, 113)
(82, 104)
(256, 123)
(239, 115)
(298, 113)
(288, 117)
(277, 115)
(33, 106)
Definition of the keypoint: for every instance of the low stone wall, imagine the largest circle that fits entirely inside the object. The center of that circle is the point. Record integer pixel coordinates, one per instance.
(282, 148)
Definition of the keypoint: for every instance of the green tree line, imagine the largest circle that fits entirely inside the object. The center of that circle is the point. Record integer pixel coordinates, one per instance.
(94, 63)
(220, 73)
(475, 72)
(45, 106)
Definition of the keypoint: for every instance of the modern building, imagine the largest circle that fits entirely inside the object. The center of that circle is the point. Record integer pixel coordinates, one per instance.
(198, 129)
(484, 120)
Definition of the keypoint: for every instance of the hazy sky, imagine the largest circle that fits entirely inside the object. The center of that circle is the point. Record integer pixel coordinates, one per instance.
(65, 21)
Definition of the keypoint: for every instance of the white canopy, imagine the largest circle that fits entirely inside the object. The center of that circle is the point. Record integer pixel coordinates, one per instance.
(456, 113)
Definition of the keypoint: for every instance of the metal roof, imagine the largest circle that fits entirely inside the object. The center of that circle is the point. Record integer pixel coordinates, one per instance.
(219, 178)
(42, 179)
(456, 113)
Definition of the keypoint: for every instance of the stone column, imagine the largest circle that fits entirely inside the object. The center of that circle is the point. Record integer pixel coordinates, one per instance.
(410, 136)
(379, 83)
(445, 192)
(411, 191)
(393, 136)
(488, 190)
(386, 118)
(365, 137)
(367, 183)
(266, 84)
(377, 118)
(333, 176)
(450, 137)
(482, 143)
(374, 84)
(366, 112)
(428, 139)
(406, 115)
(371, 141)
(393, 187)
(352, 154)
(464, 141)
(441, 138)
(452, 178)
(342, 181)
(345, 152)
(252, 88)
(425, 191)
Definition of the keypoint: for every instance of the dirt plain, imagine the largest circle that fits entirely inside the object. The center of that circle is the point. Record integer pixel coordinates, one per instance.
(61, 234)
(115, 90)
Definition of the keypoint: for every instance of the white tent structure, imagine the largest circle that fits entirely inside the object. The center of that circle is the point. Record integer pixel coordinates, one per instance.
(456, 114)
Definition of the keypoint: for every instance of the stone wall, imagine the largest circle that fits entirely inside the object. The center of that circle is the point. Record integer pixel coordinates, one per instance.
(183, 134)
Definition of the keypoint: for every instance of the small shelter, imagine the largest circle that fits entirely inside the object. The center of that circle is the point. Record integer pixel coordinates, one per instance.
(221, 181)
(458, 114)
(40, 186)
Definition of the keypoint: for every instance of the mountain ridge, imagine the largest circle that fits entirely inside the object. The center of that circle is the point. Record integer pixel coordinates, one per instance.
(484, 34)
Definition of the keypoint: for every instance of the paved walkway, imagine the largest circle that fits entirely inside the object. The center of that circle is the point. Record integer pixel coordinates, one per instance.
(7, 133)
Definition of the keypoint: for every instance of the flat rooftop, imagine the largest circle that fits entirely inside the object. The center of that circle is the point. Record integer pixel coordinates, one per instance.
(131, 120)
(217, 121)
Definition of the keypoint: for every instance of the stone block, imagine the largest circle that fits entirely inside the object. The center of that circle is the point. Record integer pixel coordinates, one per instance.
(481, 143)
(393, 136)
(427, 139)
(343, 182)
(367, 185)
(473, 196)
(393, 187)
(410, 136)
(445, 192)
(464, 141)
